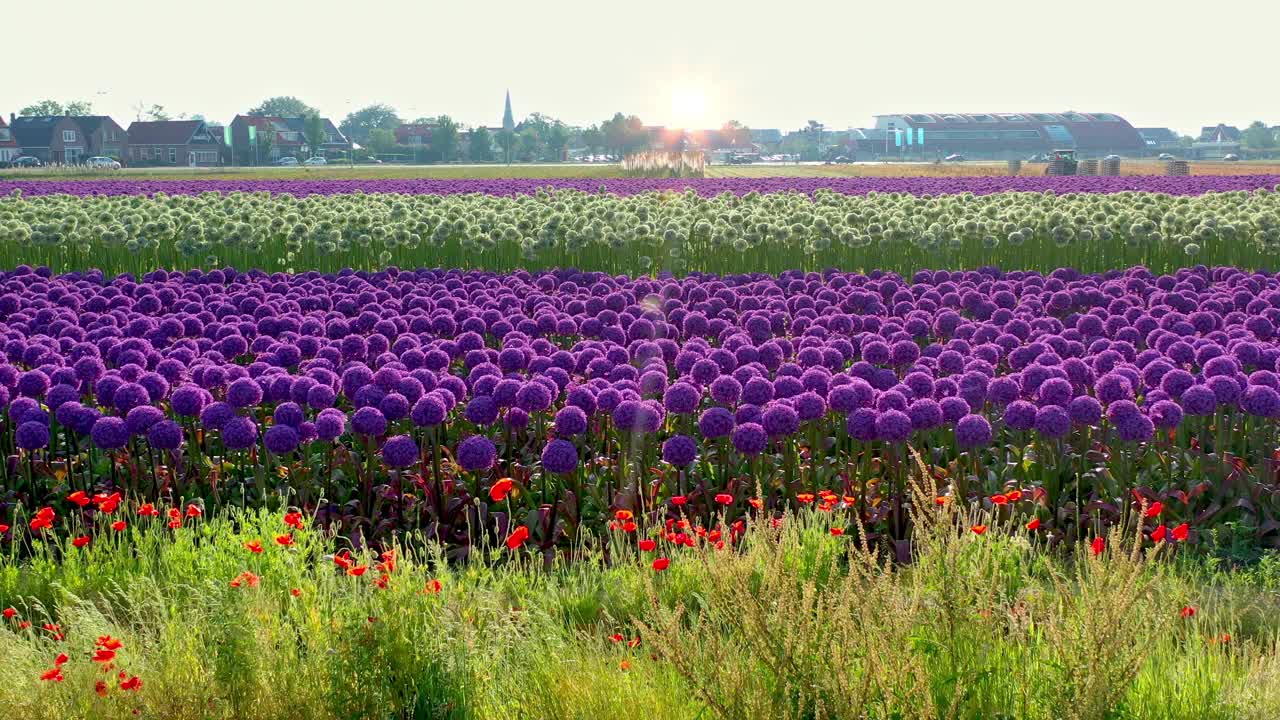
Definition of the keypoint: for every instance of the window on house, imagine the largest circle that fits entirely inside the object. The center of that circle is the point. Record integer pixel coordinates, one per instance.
(173, 155)
(5, 135)
(68, 136)
(983, 118)
(955, 118)
(1044, 117)
(920, 118)
(1075, 117)
(1012, 117)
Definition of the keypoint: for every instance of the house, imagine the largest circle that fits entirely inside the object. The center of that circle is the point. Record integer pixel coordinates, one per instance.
(174, 142)
(275, 137)
(50, 138)
(103, 136)
(1219, 134)
(414, 134)
(1010, 135)
(9, 148)
(1159, 139)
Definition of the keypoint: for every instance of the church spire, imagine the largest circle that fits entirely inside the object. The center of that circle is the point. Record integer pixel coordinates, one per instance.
(508, 121)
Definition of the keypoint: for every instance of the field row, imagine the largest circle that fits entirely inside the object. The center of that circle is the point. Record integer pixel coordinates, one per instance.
(643, 233)
(484, 408)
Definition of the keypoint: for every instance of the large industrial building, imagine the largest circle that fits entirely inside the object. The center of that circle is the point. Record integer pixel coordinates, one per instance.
(1006, 136)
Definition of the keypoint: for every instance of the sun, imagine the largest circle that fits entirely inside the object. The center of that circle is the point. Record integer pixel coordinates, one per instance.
(688, 107)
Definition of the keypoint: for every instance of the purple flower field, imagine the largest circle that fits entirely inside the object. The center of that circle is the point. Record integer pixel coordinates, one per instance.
(406, 399)
(1188, 185)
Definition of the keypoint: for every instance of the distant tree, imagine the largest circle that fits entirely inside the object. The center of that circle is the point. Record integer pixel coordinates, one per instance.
(283, 106)
(74, 108)
(314, 130)
(444, 138)
(1259, 136)
(507, 144)
(556, 140)
(481, 149)
(593, 138)
(358, 124)
(154, 113)
(736, 134)
(528, 145)
(381, 140)
(197, 116)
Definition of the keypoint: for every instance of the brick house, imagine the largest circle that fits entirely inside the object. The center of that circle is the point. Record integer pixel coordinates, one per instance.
(335, 143)
(279, 137)
(9, 148)
(50, 138)
(414, 134)
(103, 136)
(174, 142)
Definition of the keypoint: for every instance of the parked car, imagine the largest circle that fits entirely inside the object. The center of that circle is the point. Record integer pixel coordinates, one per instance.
(1165, 156)
(1112, 157)
(25, 161)
(1038, 158)
(317, 160)
(102, 162)
(954, 158)
(287, 161)
(1231, 157)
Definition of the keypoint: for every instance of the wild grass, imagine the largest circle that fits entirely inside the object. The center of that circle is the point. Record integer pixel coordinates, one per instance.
(795, 623)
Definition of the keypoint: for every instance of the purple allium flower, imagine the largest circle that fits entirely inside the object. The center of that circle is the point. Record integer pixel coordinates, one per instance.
(481, 411)
(757, 391)
(893, 426)
(780, 420)
(244, 393)
(954, 408)
(1166, 414)
(109, 433)
(534, 397)
(560, 457)
(187, 401)
(750, 439)
(400, 451)
(973, 431)
(165, 435)
(1085, 410)
(129, 396)
(861, 424)
(716, 422)
(240, 433)
(680, 450)
(428, 411)
(216, 415)
(396, 407)
(1055, 391)
(476, 453)
(330, 424)
(369, 421)
(1113, 387)
(141, 418)
(1261, 401)
(925, 414)
(281, 439)
(1020, 415)
(288, 413)
(681, 398)
(32, 435)
(33, 383)
(570, 421)
(515, 418)
(1199, 400)
(1052, 421)
(726, 390)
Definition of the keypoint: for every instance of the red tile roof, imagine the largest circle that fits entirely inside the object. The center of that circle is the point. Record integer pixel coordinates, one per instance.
(164, 132)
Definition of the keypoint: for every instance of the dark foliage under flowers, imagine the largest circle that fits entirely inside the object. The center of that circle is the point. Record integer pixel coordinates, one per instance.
(486, 407)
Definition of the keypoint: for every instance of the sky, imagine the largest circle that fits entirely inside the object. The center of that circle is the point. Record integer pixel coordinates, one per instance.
(678, 63)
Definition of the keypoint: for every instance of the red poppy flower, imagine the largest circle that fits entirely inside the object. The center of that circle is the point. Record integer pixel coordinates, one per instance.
(724, 499)
(174, 513)
(433, 586)
(381, 581)
(633, 642)
(616, 637)
(43, 519)
(253, 546)
(756, 503)
(9, 613)
(940, 500)
(107, 642)
(24, 624)
(1159, 534)
(837, 532)
(1180, 532)
(1014, 495)
(679, 499)
(119, 525)
(295, 592)
(661, 564)
(804, 498)
(245, 579)
(175, 524)
(648, 545)
(520, 534)
(358, 570)
(1187, 612)
(53, 674)
(1034, 524)
(132, 683)
(1000, 499)
(60, 660)
(107, 503)
(80, 541)
(55, 631)
(500, 489)
(1154, 509)
(100, 687)
(3, 528)
(79, 497)
(148, 510)
(624, 665)
(1098, 545)
(978, 529)
(285, 540)
(293, 519)
(193, 511)
(103, 655)
(623, 515)
(342, 559)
